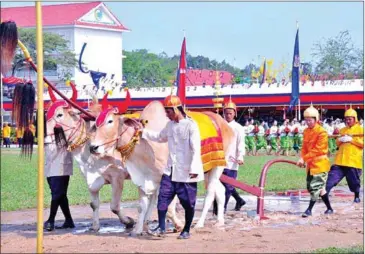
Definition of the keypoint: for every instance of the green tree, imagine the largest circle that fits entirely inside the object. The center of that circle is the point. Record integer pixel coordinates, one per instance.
(143, 68)
(55, 49)
(337, 55)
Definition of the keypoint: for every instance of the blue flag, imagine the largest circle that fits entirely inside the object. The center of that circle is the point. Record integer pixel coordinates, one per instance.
(295, 75)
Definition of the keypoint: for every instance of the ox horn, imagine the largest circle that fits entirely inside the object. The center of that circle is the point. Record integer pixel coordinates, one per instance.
(104, 101)
(95, 99)
(124, 106)
(74, 92)
(51, 94)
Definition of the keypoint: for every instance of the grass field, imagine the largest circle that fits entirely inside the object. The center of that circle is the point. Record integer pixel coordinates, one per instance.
(19, 181)
(353, 250)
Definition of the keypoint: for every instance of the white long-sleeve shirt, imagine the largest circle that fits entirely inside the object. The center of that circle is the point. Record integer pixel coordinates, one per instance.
(58, 162)
(273, 131)
(250, 130)
(237, 149)
(330, 129)
(301, 130)
(261, 131)
(184, 145)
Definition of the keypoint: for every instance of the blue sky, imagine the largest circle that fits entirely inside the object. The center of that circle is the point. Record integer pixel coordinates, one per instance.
(234, 30)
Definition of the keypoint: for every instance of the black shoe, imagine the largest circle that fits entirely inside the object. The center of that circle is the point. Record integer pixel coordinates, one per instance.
(307, 213)
(49, 226)
(357, 200)
(157, 232)
(184, 235)
(328, 211)
(67, 224)
(239, 205)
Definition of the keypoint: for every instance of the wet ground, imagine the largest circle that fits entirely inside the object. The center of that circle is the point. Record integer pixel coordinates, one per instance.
(18, 229)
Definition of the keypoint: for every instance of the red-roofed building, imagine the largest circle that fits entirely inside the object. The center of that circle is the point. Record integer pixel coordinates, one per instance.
(79, 23)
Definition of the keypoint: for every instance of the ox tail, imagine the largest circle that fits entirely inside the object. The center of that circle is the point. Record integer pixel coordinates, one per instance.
(23, 104)
(28, 142)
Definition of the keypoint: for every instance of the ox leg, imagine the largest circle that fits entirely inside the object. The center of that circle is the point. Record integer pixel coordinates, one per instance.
(213, 184)
(94, 189)
(117, 188)
(220, 196)
(171, 214)
(144, 202)
(153, 201)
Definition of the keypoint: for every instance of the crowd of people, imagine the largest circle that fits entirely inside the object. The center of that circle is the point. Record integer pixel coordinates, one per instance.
(287, 138)
(14, 135)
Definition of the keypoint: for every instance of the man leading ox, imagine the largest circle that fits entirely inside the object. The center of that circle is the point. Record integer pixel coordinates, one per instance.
(234, 156)
(184, 165)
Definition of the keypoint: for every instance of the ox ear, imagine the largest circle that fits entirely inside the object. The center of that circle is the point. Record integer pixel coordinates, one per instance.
(121, 123)
(128, 122)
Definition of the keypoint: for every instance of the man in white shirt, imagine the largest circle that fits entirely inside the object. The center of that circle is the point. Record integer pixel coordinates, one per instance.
(295, 132)
(273, 137)
(340, 124)
(58, 169)
(245, 129)
(234, 156)
(284, 130)
(184, 165)
(301, 129)
(251, 138)
(331, 140)
(261, 141)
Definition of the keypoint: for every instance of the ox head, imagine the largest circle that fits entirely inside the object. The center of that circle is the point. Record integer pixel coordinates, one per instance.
(112, 129)
(61, 118)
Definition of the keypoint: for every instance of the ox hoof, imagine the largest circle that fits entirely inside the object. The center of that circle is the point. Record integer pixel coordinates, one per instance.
(94, 229)
(199, 225)
(219, 224)
(129, 223)
(134, 234)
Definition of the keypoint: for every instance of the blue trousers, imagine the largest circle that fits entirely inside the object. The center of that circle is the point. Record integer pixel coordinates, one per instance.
(337, 173)
(186, 192)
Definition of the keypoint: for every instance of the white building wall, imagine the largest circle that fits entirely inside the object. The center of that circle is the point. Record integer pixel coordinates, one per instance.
(68, 34)
(103, 53)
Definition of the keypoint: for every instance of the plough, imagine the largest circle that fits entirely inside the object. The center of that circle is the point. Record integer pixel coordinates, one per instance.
(257, 191)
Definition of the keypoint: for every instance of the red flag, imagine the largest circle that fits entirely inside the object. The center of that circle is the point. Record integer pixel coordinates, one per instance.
(181, 75)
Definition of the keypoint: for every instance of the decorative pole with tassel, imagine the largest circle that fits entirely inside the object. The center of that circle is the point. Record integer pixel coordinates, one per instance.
(40, 126)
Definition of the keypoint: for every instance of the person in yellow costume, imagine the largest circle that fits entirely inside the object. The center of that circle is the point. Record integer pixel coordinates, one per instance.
(32, 128)
(19, 135)
(349, 158)
(314, 156)
(6, 135)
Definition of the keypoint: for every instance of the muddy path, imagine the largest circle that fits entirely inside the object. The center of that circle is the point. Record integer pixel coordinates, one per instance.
(285, 231)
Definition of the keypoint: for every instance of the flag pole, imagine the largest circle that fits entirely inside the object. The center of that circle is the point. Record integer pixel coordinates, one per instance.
(40, 123)
(299, 116)
(184, 106)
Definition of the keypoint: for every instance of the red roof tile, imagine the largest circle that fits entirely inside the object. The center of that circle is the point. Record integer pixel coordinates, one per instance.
(54, 15)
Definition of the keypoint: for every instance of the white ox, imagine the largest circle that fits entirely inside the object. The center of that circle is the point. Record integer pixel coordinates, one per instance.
(97, 171)
(145, 160)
